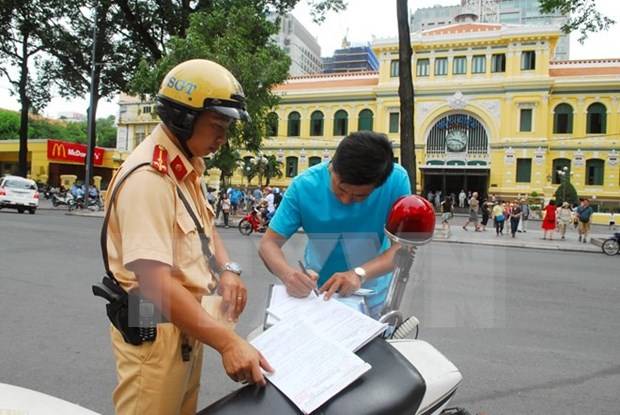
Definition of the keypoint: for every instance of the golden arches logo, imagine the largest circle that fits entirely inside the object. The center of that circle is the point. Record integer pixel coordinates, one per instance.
(59, 150)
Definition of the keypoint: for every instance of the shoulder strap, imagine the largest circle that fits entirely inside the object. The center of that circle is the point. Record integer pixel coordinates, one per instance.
(204, 238)
(106, 220)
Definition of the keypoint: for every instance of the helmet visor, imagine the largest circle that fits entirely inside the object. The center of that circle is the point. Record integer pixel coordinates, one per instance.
(230, 112)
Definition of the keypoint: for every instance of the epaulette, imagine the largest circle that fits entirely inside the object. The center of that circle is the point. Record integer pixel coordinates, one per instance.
(160, 159)
(178, 168)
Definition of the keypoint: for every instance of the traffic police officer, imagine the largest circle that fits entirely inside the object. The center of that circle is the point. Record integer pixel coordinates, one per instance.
(153, 244)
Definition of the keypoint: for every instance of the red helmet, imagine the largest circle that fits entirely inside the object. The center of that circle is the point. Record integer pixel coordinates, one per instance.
(411, 221)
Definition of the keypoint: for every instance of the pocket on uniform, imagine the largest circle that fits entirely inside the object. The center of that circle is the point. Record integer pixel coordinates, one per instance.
(187, 240)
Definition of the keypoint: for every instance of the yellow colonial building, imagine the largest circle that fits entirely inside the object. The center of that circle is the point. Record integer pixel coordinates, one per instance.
(492, 113)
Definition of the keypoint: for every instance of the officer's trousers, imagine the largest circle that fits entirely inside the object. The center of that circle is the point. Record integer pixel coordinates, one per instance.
(153, 378)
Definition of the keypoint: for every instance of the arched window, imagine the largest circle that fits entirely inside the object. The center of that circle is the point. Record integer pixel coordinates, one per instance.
(364, 122)
(316, 123)
(558, 165)
(595, 172)
(313, 161)
(341, 123)
(563, 119)
(597, 119)
(291, 166)
(272, 124)
(293, 124)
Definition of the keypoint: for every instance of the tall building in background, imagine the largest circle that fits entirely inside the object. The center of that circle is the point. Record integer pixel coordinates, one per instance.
(351, 59)
(524, 12)
(299, 45)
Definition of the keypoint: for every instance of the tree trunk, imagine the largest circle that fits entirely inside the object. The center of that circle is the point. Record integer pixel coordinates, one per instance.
(406, 94)
(25, 101)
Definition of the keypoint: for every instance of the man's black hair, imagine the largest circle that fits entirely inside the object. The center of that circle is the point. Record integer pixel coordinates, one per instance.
(364, 157)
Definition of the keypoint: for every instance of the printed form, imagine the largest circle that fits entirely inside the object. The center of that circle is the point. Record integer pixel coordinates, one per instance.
(332, 319)
(309, 369)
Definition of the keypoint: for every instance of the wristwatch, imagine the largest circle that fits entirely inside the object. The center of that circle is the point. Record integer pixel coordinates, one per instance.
(361, 273)
(232, 267)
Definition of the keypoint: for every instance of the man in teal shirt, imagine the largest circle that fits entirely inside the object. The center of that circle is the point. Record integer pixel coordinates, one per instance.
(342, 207)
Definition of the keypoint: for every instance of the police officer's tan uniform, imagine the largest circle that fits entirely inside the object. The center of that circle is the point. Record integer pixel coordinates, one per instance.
(149, 222)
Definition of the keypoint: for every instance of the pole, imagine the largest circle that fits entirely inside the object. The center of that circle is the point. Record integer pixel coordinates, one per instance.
(91, 116)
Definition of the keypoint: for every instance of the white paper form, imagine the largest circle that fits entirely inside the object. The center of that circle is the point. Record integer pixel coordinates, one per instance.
(309, 369)
(331, 319)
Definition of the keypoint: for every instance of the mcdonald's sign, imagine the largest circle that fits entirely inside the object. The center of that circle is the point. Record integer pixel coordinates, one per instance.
(72, 152)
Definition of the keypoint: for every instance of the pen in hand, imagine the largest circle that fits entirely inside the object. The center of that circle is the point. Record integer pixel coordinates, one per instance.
(305, 271)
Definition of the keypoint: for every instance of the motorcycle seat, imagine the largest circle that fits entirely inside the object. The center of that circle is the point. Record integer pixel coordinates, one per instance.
(393, 386)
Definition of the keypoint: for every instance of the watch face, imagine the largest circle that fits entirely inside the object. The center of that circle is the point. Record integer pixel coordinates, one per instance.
(456, 141)
(233, 267)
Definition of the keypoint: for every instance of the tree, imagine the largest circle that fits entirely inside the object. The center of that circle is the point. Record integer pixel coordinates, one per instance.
(272, 168)
(566, 193)
(226, 160)
(406, 94)
(20, 49)
(582, 16)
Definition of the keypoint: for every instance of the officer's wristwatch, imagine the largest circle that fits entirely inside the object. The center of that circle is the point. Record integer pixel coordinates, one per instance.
(361, 273)
(232, 267)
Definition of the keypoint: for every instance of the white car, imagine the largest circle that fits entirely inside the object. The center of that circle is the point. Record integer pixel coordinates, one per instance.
(19, 193)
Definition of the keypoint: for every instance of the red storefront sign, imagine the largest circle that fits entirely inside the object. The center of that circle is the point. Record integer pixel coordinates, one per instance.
(73, 152)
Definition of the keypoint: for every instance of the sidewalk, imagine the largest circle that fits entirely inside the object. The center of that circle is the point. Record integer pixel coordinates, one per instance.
(532, 239)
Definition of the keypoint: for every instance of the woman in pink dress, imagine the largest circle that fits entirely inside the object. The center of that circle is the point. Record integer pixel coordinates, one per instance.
(548, 223)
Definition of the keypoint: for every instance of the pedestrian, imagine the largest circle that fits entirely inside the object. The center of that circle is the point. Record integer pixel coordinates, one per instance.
(431, 197)
(258, 195)
(525, 215)
(446, 214)
(437, 199)
(484, 208)
(473, 212)
(498, 218)
(515, 217)
(612, 221)
(462, 197)
(351, 197)
(565, 218)
(584, 214)
(155, 217)
(226, 207)
(549, 220)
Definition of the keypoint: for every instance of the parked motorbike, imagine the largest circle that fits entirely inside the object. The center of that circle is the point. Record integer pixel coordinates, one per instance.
(408, 376)
(611, 246)
(62, 199)
(251, 223)
(94, 203)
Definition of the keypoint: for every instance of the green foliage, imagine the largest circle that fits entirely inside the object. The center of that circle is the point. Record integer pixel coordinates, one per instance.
(566, 193)
(582, 16)
(226, 160)
(272, 168)
(9, 125)
(245, 48)
(57, 129)
(534, 194)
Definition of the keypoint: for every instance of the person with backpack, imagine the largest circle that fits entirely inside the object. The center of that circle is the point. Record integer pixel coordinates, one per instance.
(584, 213)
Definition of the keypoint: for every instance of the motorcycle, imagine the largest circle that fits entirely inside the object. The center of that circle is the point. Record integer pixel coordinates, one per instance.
(408, 376)
(611, 246)
(252, 223)
(62, 199)
(95, 203)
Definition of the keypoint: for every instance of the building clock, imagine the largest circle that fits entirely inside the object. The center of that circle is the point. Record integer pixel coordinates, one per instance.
(456, 141)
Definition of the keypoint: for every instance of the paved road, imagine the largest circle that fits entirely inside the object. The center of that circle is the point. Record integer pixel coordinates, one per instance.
(532, 332)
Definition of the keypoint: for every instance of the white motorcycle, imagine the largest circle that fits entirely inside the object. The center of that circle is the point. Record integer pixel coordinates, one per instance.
(408, 376)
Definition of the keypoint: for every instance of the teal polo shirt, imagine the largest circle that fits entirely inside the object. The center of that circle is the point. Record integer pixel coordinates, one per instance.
(340, 236)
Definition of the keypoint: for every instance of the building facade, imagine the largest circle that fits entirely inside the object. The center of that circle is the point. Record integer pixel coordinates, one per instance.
(525, 12)
(493, 113)
(299, 45)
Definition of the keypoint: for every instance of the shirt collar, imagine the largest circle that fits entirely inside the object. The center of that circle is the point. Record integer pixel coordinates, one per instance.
(176, 155)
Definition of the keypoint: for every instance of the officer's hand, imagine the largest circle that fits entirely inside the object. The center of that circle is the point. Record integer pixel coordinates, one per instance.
(234, 295)
(243, 363)
(343, 283)
(299, 284)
